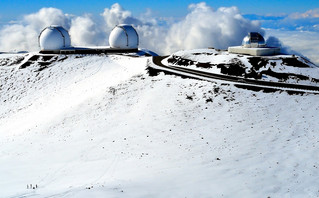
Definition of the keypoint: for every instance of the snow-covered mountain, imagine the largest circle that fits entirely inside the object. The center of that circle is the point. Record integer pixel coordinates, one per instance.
(100, 126)
(279, 68)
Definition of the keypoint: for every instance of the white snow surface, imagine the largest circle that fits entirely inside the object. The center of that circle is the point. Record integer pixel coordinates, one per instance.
(99, 126)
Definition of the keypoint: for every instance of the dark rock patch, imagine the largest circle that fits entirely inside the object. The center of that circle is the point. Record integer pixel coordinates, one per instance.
(207, 54)
(11, 61)
(253, 74)
(294, 62)
(273, 64)
(43, 61)
(43, 58)
(315, 80)
(257, 62)
(204, 65)
(25, 65)
(235, 68)
(177, 60)
(152, 72)
(283, 76)
(257, 89)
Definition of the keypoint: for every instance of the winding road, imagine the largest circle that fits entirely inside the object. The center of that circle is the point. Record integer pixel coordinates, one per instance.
(237, 81)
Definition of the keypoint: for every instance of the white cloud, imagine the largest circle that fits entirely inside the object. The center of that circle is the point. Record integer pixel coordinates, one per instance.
(24, 35)
(204, 27)
(151, 34)
(117, 15)
(307, 21)
(201, 27)
(45, 17)
(303, 42)
(18, 37)
(85, 32)
(313, 13)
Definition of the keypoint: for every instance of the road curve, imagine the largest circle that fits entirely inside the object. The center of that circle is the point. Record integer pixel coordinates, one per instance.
(242, 82)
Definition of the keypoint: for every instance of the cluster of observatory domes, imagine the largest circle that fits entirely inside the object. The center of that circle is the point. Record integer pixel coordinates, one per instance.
(124, 37)
(57, 38)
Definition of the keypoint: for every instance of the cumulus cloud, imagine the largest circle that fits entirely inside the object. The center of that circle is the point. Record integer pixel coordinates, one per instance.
(151, 33)
(24, 34)
(202, 27)
(45, 17)
(85, 32)
(273, 41)
(18, 37)
(117, 15)
(305, 42)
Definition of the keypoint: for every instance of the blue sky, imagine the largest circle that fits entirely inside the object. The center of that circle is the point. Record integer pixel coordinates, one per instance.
(15, 9)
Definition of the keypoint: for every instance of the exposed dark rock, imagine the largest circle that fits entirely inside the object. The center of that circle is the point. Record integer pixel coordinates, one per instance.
(209, 100)
(253, 74)
(207, 54)
(152, 72)
(283, 76)
(257, 62)
(189, 97)
(26, 64)
(235, 68)
(204, 65)
(293, 62)
(177, 60)
(11, 61)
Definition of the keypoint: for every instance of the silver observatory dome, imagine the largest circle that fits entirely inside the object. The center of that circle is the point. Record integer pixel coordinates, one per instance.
(254, 40)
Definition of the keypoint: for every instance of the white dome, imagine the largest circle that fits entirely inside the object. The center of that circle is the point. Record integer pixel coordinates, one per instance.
(54, 38)
(124, 37)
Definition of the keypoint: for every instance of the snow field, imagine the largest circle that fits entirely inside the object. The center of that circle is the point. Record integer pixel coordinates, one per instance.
(101, 127)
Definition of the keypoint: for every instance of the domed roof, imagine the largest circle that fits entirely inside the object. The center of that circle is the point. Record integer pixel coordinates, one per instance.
(54, 38)
(124, 37)
(254, 40)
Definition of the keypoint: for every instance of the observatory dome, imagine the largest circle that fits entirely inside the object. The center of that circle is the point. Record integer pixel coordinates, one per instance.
(124, 37)
(254, 40)
(54, 38)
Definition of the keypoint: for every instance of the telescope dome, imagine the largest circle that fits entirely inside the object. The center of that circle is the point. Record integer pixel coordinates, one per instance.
(124, 36)
(254, 40)
(54, 38)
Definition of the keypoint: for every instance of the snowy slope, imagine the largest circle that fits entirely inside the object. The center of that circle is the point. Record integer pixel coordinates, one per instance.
(280, 68)
(99, 126)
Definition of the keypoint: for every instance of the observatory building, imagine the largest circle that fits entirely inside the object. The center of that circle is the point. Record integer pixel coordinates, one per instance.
(54, 38)
(254, 44)
(123, 37)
